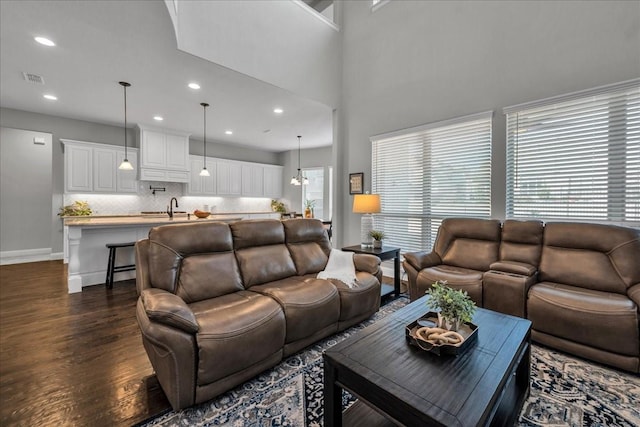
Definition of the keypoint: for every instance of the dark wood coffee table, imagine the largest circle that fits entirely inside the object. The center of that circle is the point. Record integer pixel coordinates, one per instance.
(485, 385)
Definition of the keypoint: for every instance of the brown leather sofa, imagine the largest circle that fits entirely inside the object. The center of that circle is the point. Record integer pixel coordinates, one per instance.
(578, 283)
(219, 303)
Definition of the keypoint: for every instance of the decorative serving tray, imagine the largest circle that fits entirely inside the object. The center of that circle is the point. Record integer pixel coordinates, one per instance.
(468, 331)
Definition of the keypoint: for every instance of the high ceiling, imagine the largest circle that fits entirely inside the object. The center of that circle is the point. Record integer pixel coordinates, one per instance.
(99, 43)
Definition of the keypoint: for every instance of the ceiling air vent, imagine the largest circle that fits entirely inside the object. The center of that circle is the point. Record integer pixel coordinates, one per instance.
(33, 78)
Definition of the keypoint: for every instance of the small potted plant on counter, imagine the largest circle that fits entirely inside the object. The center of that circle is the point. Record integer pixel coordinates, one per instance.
(78, 208)
(377, 237)
(455, 305)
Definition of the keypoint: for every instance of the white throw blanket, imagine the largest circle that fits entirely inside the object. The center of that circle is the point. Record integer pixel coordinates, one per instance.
(340, 266)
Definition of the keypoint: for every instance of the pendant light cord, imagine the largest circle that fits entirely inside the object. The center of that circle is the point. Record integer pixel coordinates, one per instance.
(204, 113)
(125, 123)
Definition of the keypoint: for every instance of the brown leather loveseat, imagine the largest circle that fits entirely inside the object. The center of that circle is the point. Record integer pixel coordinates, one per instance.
(578, 283)
(219, 303)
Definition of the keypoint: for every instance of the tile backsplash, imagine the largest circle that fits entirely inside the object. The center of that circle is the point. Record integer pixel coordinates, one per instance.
(131, 204)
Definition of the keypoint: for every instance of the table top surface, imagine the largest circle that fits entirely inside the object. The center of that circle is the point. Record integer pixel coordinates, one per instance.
(371, 250)
(452, 390)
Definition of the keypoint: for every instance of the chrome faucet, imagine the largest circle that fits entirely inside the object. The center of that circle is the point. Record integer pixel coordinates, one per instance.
(170, 207)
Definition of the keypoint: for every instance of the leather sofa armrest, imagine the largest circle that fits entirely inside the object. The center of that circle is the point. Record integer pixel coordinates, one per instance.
(164, 307)
(422, 259)
(367, 263)
(514, 267)
(634, 294)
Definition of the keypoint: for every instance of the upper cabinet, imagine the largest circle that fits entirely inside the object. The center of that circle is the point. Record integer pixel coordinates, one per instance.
(164, 155)
(234, 178)
(252, 180)
(93, 168)
(202, 185)
(273, 181)
(229, 178)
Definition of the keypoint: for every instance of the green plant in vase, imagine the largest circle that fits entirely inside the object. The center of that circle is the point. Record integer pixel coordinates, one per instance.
(377, 237)
(454, 305)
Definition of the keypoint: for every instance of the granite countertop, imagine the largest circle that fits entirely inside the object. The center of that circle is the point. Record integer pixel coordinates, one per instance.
(133, 220)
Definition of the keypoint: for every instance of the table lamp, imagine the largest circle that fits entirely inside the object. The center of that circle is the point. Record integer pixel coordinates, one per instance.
(366, 204)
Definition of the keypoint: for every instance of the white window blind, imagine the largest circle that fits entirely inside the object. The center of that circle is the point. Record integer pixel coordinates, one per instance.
(428, 173)
(576, 156)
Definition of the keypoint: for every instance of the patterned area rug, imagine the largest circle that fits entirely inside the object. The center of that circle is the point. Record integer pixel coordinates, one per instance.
(565, 391)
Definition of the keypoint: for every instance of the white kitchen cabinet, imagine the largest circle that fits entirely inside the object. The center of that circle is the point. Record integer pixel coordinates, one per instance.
(252, 180)
(78, 170)
(202, 185)
(228, 178)
(273, 181)
(104, 170)
(164, 155)
(93, 168)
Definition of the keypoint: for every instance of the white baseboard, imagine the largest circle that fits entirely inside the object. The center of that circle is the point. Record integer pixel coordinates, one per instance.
(26, 255)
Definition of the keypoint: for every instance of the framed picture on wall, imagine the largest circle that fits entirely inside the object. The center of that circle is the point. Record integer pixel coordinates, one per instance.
(356, 183)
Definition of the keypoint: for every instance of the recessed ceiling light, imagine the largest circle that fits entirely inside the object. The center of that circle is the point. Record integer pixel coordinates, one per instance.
(50, 97)
(194, 85)
(228, 132)
(45, 41)
(158, 118)
(278, 110)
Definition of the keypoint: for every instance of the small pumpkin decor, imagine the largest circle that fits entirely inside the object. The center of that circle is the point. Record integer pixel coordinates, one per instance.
(454, 305)
(377, 237)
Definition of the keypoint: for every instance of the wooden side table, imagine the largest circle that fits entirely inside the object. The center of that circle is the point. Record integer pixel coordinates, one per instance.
(384, 253)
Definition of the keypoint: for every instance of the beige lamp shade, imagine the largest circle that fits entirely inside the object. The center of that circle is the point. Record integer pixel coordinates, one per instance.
(366, 203)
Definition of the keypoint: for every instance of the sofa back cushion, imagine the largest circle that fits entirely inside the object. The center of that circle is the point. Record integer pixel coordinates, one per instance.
(261, 251)
(468, 242)
(308, 244)
(521, 241)
(594, 256)
(194, 261)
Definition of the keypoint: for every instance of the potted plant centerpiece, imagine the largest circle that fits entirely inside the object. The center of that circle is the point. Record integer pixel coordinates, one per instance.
(454, 305)
(377, 237)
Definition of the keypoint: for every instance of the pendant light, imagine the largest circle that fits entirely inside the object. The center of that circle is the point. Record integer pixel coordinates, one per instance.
(299, 179)
(204, 171)
(125, 165)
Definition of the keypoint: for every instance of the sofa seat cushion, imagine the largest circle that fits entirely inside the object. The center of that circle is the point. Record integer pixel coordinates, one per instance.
(595, 318)
(237, 331)
(309, 305)
(361, 299)
(457, 277)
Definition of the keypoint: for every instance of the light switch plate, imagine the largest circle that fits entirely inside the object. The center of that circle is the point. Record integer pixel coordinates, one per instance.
(38, 140)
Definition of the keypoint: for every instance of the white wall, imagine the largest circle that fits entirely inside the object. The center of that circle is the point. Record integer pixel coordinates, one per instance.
(25, 216)
(279, 42)
(417, 62)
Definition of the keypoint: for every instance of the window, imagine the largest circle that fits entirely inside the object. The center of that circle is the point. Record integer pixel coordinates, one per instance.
(576, 156)
(428, 173)
(314, 191)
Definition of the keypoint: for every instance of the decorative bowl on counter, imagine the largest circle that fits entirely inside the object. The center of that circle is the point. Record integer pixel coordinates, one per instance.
(201, 214)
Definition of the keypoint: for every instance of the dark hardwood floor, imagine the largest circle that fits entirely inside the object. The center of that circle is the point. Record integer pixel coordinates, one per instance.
(71, 359)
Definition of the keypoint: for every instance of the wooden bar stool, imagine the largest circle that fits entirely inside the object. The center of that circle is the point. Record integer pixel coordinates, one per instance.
(111, 267)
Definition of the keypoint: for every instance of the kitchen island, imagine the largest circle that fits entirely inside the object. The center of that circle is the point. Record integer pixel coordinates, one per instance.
(85, 239)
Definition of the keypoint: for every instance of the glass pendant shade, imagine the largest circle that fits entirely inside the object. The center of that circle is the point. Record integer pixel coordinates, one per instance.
(125, 165)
